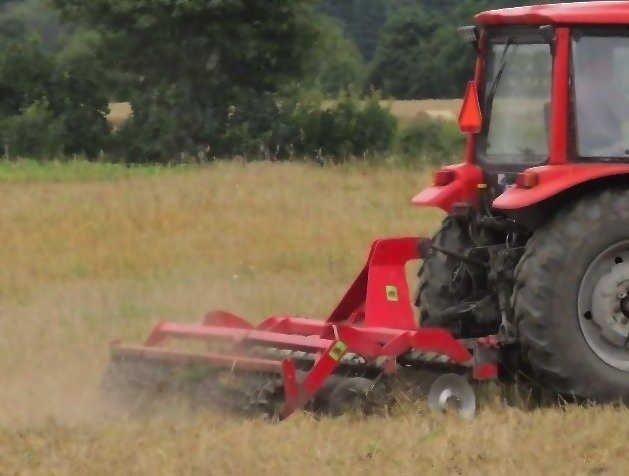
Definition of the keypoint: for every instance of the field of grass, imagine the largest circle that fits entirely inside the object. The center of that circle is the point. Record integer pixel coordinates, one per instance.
(89, 255)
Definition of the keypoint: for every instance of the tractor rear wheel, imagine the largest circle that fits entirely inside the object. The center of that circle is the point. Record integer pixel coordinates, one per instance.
(436, 272)
(571, 304)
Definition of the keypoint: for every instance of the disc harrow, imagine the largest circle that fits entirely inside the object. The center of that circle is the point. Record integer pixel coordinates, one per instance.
(287, 363)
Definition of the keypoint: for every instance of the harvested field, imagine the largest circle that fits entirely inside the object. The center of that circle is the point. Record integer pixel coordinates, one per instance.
(119, 112)
(409, 111)
(405, 111)
(103, 255)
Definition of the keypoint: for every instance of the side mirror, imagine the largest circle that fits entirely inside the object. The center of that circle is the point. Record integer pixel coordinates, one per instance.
(469, 34)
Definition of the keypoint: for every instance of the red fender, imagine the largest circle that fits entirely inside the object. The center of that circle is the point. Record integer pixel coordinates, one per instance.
(462, 186)
(550, 180)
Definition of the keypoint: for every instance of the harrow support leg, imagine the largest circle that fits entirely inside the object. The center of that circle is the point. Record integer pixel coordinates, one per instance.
(297, 396)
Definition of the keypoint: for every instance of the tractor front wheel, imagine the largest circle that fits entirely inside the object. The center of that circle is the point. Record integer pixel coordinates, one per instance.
(571, 300)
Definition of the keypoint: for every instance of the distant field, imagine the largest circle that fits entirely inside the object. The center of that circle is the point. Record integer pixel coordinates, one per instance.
(105, 253)
(118, 113)
(406, 111)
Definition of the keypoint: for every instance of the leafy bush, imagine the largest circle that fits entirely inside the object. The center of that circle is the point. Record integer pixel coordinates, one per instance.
(261, 127)
(431, 142)
(77, 97)
(51, 104)
(169, 127)
(348, 129)
(157, 131)
(35, 133)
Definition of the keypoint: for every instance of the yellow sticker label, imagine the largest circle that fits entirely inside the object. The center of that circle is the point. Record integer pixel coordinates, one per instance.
(392, 293)
(338, 351)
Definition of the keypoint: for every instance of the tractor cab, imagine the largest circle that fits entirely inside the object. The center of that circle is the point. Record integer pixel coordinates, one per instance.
(535, 244)
(551, 87)
(513, 127)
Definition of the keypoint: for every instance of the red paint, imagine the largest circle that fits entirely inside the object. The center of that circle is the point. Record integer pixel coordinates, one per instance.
(442, 178)
(225, 319)
(560, 99)
(398, 345)
(251, 336)
(360, 342)
(553, 179)
(293, 325)
(586, 13)
(384, 270)
(485, 372)
(157, 337)
(490, 342)
(464, 188)
(291, 388)
(314, 380)
(382, 335)
(227, 361)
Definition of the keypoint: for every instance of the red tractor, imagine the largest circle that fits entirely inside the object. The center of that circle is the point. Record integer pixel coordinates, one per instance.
(530, 268)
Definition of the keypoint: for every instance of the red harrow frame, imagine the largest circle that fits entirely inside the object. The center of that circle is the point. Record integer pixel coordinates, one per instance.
(373, 326)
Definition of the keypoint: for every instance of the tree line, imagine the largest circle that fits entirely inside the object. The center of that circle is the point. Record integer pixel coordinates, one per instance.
(220, 78)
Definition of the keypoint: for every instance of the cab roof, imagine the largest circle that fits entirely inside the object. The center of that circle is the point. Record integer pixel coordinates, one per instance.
(597, 12)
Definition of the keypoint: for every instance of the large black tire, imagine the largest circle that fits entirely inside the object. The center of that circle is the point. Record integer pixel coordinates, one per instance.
(550, 280)
(435, 274)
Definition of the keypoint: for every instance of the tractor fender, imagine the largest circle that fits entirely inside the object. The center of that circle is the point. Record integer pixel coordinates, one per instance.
(554, 179)
(453, 184)
(550, 187)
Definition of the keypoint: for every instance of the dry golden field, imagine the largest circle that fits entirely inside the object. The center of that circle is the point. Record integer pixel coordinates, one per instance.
(90, 258)
(405, 111)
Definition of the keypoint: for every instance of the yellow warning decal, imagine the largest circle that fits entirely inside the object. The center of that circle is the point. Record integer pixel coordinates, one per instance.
(338, 351)
(392, 293)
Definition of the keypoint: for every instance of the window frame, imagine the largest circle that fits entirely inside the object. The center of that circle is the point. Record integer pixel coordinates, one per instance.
(597, 32)
(521, 35)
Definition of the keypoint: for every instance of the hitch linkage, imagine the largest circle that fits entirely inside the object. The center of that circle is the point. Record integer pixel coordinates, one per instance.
(426, 244)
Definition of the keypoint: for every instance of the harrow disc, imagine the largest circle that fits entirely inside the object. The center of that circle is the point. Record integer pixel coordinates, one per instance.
(451, 391)
(356, 393)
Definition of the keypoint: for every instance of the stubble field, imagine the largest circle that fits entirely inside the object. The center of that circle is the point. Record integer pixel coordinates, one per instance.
(91, 254)
(406, 112)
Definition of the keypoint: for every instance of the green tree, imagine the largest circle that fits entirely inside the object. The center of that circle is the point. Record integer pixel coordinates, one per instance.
(190, 62)
(335, 63)
(78, 97)
(50, 104)
(420, 55)
(362, 21)
(405, 61)
(24, 75)
(24, 18)
(216, 45)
